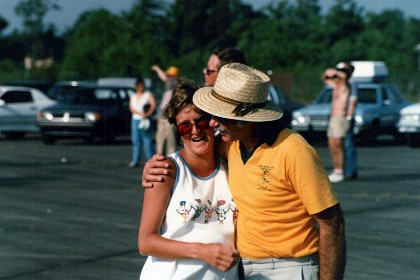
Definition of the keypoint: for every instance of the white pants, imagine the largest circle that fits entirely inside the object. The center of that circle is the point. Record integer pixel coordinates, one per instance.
(282, 268)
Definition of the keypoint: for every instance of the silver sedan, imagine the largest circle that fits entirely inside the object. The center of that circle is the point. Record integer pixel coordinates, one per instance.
(19, 107)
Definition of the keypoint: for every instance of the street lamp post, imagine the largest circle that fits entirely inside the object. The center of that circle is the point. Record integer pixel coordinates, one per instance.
(417, 49)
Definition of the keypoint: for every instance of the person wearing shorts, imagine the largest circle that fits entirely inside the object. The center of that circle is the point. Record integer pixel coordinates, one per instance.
(338, 79)
(338, 127)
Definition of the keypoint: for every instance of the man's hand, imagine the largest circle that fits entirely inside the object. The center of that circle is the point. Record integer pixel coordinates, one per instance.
(218, 255)
(153, 169)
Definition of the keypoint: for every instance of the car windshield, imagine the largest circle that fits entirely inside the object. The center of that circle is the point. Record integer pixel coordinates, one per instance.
(366, 95)
(85, 96)
(325, 96)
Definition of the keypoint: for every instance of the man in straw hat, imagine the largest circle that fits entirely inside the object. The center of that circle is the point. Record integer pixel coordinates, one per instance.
(290, 224)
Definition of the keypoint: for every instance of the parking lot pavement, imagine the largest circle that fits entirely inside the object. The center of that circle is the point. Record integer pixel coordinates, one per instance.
(71, 211)
(381, 210)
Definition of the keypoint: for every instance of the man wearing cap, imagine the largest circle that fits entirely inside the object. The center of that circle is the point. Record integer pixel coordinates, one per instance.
(290, 224)
(340, 117)
(165, 132)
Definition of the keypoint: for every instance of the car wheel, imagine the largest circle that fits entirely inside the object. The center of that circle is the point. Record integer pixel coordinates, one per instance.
(414, 140)
(399, 138)
(368, 137)
(48, 140)
(109, 138)
(89, 140)
(14, 135)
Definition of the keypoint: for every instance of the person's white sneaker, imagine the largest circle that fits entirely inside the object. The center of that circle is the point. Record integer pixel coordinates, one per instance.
(335, 178)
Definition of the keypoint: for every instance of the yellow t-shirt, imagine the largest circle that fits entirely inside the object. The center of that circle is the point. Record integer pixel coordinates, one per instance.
(276, 191)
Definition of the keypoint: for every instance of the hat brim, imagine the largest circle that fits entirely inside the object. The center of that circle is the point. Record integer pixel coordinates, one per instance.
(207, 102)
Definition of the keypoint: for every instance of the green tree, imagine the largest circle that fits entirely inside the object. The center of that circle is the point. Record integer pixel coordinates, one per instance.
(149, 35)
(3, 24)
(410, 39)
(382, 38)
(33, 13)
(99, 45)
(276, 41)
(343, 24)
(35, 32)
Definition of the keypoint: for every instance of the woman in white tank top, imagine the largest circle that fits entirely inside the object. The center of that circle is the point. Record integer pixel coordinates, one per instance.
(187, 223)
(142, 105)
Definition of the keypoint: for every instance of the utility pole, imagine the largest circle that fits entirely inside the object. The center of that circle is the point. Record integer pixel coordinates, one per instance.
(417, 49)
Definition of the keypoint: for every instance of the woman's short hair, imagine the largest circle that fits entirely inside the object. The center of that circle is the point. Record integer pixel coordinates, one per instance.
(182, 95)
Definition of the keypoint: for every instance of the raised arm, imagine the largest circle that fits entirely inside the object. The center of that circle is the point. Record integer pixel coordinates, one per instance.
(332, 243)
(162, 75)
(151, 243)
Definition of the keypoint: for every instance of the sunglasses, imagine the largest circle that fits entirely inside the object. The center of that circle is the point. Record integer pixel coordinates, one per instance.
(332, 77)
(208, 71)
(222, 120)
(202, 123)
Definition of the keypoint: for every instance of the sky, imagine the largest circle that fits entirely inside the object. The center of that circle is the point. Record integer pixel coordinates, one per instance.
(71, 9)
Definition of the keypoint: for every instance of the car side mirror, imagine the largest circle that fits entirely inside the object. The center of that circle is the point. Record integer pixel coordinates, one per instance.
(2, 103)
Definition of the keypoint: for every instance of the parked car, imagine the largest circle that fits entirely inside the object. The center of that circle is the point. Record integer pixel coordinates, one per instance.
(41, 85)
(409, 124)
(376, 113)
(87, 112)
(277, 95)
(19, 107)
(58, 89)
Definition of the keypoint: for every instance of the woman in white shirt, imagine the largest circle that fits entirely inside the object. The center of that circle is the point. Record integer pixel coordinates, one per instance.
(142, 106)
(187, 223)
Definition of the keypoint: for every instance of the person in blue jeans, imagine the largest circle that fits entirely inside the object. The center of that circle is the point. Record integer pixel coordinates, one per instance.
(142, 106)
(350, 152)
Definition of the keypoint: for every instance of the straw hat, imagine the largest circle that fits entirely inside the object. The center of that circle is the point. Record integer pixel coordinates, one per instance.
(240, 93)
(172, 71)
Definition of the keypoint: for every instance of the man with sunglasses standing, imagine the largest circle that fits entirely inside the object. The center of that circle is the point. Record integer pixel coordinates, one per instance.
(290, 224)
(218, 58)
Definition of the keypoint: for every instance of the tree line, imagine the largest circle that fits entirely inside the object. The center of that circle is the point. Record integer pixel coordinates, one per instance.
(285, 36)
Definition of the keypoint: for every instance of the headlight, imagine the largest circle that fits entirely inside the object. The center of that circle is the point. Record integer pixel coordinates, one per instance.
(410, 117)
(299, 119)
(302, 119)
(45, 116)
(92, 116)
(358, 119)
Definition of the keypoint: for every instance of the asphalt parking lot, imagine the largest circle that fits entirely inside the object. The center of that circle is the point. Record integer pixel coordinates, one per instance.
(71, 211)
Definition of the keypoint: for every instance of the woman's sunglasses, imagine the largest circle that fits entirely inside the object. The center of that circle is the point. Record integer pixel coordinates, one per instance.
(202, 123)
(209, 71)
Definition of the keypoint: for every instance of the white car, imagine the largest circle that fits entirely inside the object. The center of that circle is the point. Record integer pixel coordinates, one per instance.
(19, 107)
(409, 123)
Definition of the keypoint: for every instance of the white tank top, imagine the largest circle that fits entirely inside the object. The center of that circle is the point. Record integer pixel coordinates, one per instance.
(200, 210)
(139, 103)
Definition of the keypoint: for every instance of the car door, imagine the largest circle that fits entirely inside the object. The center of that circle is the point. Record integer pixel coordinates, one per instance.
(124, 95)
(18, 112)
(389, 112)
